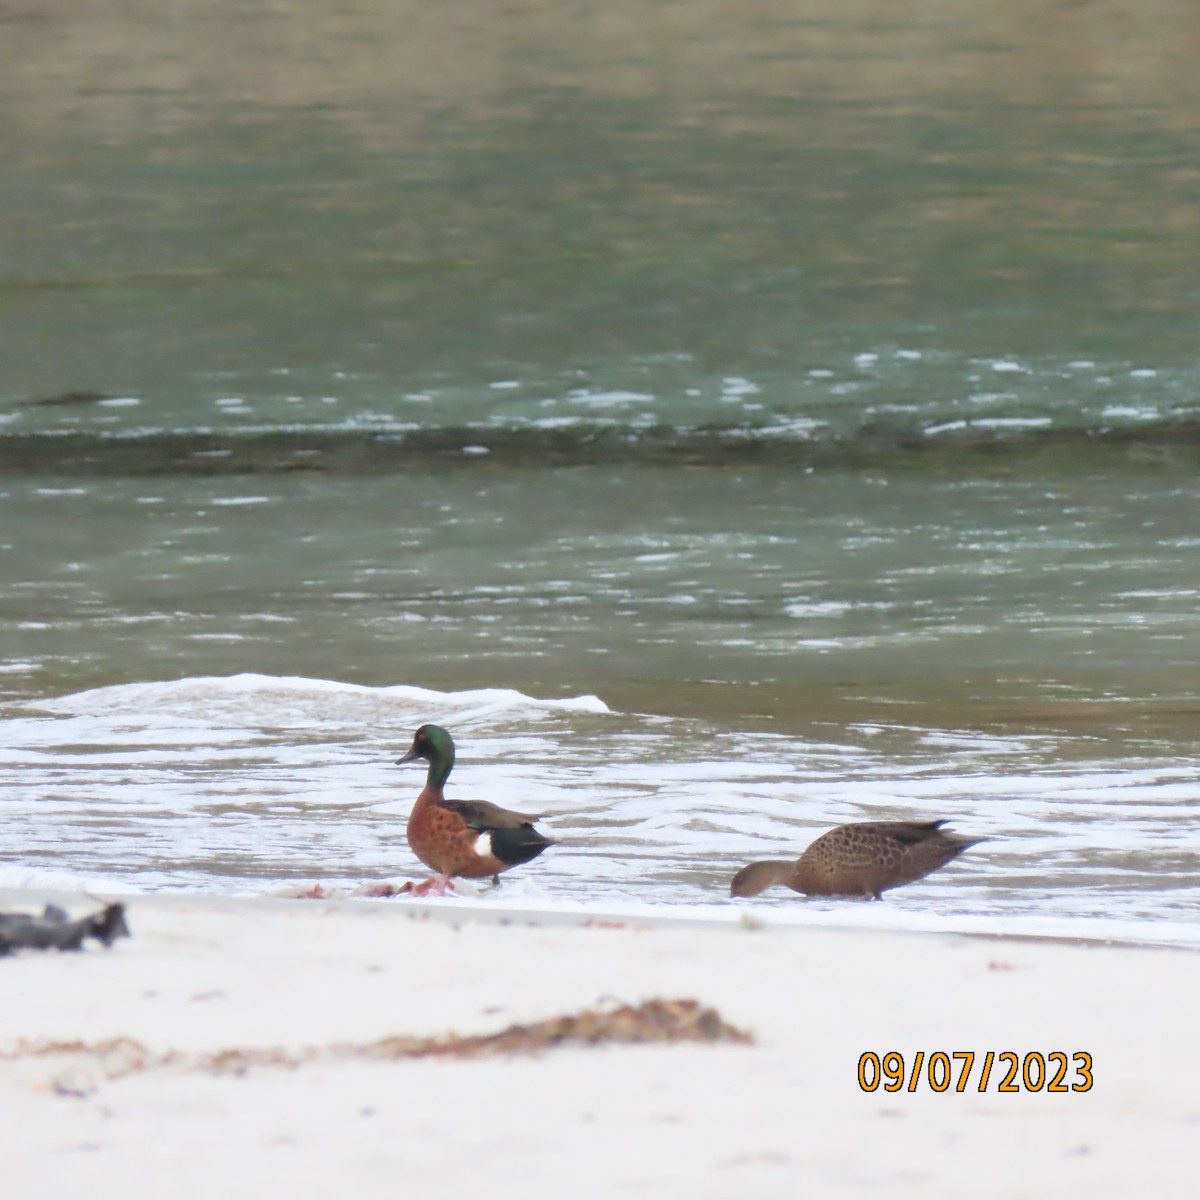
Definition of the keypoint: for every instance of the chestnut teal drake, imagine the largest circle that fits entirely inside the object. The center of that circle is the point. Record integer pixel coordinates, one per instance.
(471, 839)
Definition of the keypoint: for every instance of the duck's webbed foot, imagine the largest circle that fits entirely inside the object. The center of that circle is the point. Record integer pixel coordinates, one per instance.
(437, 885)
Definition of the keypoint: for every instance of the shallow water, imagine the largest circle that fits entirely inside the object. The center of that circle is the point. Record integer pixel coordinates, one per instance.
(259, 784)
(821, 395)
(744, 596)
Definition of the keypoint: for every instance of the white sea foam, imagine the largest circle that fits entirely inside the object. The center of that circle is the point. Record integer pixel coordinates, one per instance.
(1011, 422)
(256, 783)
(608, 399)
(801, 427)
(19, 877)
(304, 700)
(1129, 412)
(818, 608)
(556, 422)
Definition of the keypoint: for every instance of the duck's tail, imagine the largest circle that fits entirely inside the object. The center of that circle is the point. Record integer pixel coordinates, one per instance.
(515, 846)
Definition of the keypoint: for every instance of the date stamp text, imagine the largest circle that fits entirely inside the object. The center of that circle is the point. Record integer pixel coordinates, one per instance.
(966, 1070)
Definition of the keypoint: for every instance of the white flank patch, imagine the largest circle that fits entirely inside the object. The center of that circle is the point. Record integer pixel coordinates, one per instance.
(483, 845)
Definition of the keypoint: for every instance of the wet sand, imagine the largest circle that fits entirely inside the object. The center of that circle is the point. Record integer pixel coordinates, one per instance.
(311, 985)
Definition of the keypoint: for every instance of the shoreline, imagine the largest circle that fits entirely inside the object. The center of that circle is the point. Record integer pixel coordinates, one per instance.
(301, 990)
(796, 914)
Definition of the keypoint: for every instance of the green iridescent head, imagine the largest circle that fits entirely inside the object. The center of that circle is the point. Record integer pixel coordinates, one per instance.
(436, 746)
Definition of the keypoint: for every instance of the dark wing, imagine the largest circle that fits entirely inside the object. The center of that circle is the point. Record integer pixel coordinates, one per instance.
(485, 816)
(510, 835)
(907, 833)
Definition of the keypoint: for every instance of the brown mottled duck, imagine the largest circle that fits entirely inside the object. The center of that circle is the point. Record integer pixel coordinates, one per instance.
(864, 860)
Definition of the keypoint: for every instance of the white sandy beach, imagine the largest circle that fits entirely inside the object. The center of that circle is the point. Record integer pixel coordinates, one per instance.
(783, 1117)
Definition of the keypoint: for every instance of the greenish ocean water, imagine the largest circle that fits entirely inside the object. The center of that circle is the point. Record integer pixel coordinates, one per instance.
(819, 393)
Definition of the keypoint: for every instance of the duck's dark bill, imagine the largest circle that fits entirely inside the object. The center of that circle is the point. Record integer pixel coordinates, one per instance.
(407, 758)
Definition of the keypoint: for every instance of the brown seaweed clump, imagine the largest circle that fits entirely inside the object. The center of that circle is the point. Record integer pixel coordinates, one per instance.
(653, 1021)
